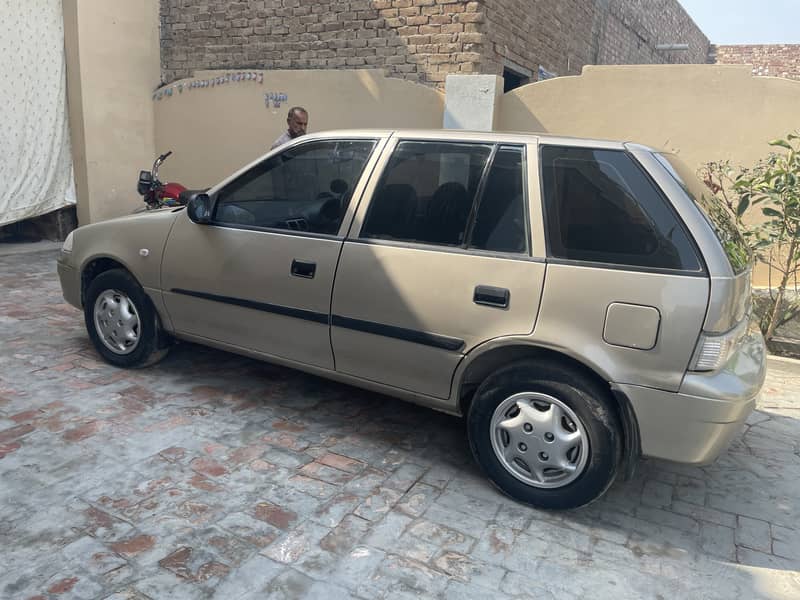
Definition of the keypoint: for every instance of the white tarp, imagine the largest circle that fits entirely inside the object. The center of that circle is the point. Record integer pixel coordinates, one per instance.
(35, 160)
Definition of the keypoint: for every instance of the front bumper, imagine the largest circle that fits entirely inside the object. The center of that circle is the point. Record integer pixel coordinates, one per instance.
(70, 279)
(696, 424)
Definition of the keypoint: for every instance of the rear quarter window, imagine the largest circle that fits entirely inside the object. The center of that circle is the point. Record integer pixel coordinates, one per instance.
(601, 207)
(713, 209)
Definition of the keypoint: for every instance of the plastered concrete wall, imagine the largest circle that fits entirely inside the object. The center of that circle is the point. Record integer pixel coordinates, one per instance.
(703, 112)
(112, 67)
(214, 131)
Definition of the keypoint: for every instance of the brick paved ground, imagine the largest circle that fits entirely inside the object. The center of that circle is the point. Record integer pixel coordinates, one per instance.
(212, 475)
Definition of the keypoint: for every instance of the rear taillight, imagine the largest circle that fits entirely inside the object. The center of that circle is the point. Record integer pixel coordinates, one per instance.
(713, 350)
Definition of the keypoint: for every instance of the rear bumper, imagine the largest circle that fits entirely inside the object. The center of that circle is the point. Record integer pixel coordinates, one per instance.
(696, 424)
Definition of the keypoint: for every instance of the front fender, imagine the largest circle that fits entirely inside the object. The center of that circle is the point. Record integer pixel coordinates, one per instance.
(137, 242)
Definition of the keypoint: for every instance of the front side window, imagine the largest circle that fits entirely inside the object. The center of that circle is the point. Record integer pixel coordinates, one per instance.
(306, 188)
(601, 207)
(427, 192)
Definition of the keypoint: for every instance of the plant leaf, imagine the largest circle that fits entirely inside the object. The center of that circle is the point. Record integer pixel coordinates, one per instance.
(744, 204)
(771, 212)
(781, 143)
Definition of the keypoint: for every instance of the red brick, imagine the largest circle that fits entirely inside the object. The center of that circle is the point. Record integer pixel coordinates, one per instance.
(207, 466)
(6, 449)
(134, 545)
(274, 515)
(63, 586)
(83, 432)
(28, 415)
(774, 60)
(177, 563)
(343, 463)
(15, 432)
(288, 426)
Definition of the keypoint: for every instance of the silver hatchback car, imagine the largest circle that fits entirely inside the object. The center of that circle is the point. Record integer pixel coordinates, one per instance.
(581, 303)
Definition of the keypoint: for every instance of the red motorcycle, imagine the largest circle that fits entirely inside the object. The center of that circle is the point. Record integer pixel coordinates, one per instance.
(157, 194)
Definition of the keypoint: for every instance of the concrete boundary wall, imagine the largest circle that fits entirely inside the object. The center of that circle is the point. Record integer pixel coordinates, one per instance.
(703, 112)
(214, 131)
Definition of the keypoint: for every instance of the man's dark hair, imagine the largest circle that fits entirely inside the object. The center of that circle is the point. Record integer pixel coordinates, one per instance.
(296, 109)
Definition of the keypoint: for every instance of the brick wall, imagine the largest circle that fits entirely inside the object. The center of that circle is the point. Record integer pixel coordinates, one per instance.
(557, 34)
(422, 40)
(776, 60)
(564, 35)
(630, 30)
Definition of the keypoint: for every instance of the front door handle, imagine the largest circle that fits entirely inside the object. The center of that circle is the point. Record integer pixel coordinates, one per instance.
(304, 269)
(487, 295)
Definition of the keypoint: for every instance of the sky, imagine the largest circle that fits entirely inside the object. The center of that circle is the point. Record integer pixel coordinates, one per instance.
(747, 21)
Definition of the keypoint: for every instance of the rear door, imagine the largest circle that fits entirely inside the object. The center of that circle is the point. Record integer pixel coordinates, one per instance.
(437, 262)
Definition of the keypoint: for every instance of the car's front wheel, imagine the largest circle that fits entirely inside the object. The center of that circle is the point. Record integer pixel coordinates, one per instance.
(545, 434)
(121, 321)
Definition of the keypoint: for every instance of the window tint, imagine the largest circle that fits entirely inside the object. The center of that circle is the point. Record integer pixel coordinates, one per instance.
(714, 210)
(305, 188)
(426, 193)
(601, 207)
(500, 222)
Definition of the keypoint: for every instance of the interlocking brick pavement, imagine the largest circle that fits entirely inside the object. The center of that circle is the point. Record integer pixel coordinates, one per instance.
(215, 476)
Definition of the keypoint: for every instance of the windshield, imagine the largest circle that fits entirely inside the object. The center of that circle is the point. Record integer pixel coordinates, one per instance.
(714, 210)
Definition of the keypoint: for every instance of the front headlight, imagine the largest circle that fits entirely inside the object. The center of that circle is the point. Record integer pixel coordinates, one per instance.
(67, 247)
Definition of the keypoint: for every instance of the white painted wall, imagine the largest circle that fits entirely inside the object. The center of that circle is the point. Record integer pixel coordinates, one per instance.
(472, 101)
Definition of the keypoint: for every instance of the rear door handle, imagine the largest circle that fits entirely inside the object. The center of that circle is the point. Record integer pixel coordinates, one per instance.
(303, 269)
(491, 296)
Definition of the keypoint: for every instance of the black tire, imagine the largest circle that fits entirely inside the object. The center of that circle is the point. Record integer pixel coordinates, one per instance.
(152, 342)
(590, 403)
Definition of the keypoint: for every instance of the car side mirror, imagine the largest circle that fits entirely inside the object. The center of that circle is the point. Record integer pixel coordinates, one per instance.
(199, 208)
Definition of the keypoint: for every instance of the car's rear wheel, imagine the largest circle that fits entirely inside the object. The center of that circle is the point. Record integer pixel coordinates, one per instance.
(121, 321)
(545, 434)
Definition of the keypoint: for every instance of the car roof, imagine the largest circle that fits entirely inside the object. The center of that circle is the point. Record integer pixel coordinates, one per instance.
(462, 134)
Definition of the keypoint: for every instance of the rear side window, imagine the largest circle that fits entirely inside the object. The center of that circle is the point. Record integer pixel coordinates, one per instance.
(500, 223)
(427, 192)
(601, 207)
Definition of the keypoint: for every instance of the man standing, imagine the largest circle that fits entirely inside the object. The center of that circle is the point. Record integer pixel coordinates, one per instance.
(297, 122)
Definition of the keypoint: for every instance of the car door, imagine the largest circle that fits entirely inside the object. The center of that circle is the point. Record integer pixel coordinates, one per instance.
(436, 264)
(259, 276)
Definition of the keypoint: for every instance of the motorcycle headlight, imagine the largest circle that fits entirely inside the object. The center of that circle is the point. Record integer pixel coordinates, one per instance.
(67, 247)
